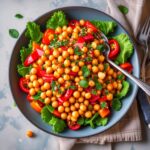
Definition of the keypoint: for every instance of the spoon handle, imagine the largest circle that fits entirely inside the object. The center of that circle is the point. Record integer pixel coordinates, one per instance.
(145, 87)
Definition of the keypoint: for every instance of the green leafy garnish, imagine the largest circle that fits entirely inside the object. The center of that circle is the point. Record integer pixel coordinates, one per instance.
(46, 115)
(85, 71)
(77, 51)
(126, 48)
(38, 96)
(88, 59)
(105, 26)
(13, 33)
(22, 70)
(124, 91)
(24, 52)
(83, 83)
(83, 32)
(53, 85)
(98, 86)
(19, 16)
(72, 87)
(93, 92)
(81, 121)
(33, 31)
(55, 43)
(123, 9)
(58, 19)
(116, 104)
(120, 76)
(103, 105)
(106, 66)
(100, 47)
(101, 121)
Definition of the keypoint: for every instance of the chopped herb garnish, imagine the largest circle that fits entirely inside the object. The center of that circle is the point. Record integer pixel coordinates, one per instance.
(38, 96)
(77, 51)
(98, 85)
(85, 71)
(106, 92)
(19, 16)
(72, 87)
(100, 47)
(120, 76)
(13, 33)
(83, 32)
(103, 105)
(53, 84)
(88, 59)
(106, 66)
(116, 104)
(93, 92)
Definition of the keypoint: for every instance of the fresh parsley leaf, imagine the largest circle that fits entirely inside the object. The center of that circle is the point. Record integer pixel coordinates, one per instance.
(106, 92)
(101, 121)
(83, 83)
(106, 66)
(72, 87)
(53, 84)
(103, 105)
(123, 9)
(116, 104)
(22, 70)
(80, 121)
(46, 115)
(85, 71)
(38, 96)
(88, 59)
(93, 92)
(13, 33)
(120, 76)
(33, 31)
(19, 16)
(59, 126)
(100, 47)
(58, 19)
(98, 86)
(24, 52)
(77, 51)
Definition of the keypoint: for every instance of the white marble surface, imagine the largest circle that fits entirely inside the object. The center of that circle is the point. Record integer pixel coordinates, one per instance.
(13, 125)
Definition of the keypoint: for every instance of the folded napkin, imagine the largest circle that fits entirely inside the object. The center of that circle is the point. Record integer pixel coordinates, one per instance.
(128, 129)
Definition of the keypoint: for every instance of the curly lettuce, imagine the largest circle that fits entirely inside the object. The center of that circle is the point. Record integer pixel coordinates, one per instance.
(58, 19)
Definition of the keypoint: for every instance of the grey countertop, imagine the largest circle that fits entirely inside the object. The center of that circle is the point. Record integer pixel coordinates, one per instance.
(13, 125)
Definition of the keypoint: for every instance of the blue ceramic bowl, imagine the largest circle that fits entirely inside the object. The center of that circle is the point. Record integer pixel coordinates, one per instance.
(20, 97)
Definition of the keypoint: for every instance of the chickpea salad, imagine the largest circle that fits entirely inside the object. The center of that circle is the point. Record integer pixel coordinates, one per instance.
(65, 75)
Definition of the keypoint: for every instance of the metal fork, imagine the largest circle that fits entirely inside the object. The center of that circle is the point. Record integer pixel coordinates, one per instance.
(145, 87)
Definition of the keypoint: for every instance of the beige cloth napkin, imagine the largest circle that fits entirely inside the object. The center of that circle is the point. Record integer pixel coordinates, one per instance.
(128, 129)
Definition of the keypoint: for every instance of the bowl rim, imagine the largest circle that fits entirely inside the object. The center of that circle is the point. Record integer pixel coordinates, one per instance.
(65, 8)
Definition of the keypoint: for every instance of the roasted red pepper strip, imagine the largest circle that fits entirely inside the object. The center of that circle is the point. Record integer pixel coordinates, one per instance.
(127, 66)
(88, 24)
(56, 113)
(62, 99)
(36, 54)
(114, 48)
(88, 38)
(73, 73)
(30, 98)
(74, 126)
(36, 106)
(45, 39)
(94, 98)
(103, 98)
(73, 23)
(23, 82)
(80, 42)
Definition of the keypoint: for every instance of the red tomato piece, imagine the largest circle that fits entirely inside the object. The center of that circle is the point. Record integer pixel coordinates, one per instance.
(74, 126)
(88, 24)
(127, 66)
(23, 82)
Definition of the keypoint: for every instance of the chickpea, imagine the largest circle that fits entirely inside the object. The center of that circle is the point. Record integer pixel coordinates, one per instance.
(47, 100)
(56, 74)
(32, 91)
(84, 49)
(73, 64)
(101, 58)
(51, 37)
(67, 63)
(76, 94)
(69, 29)
(96, 53)
(110, 87)
(33, 77)
(80, 89)
(119, 87)
(33, 71)
(66, 77)
(55, 104)
(76, 57)
(101, 75)
(60, 59)
(65, 54)
(75, 68)
(43, 95)
(60, 37)
(73, 119)
(51, 57)
(29, 133)
(75, 114)
(94, 45)
(110, 72)
(81, 63)
(89, 67)
(99, 92)
(55, 53)
(49, 93)
(95, 69)
(75, 30)
(81, 112)
(83, 93)
(66, 104)
(53, 98)
(80, 73)
(64, 28)
(82, 22)
(42, 88)
(81, 99)
(40, 62)
(27, 76)
(88, 95)
(64, 34)
(36, 83)
(91, 83)
(101, 41)
(94, 62)
(72, 108)
(109, 96)
(30, 85)
(61, 80)
(96, 107)
(58, 30)
(88, 114)
(77, 79)
(93, 112)
(86, 102)
(67, 109)
(49, 70)
(83, 107)
(114, 75)
(70, 51)
(101, 67)
(47, 85)
(40, 80)
(61, 109)
(115, 85)
(72, 100)
(77, 105)
(67, 70)
(75, 35)
(64, 116)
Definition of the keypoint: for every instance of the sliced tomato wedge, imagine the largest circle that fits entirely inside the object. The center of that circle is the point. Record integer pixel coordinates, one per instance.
(74, 126)
(88, 24)
(30, 98)
(36, 106)
(103, 98)
(23, 83)
(127, 66)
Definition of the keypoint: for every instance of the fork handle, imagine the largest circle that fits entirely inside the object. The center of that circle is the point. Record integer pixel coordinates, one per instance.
(145, 87)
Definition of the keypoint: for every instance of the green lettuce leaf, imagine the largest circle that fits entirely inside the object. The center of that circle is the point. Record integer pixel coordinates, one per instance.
(126, 48)
(116, 104)
(46, 115)
(124, 91)
(58, 19)
(22, 70)
(33, 32)
(105, 26)
(101, 121)
(24, 52)
(80, 121)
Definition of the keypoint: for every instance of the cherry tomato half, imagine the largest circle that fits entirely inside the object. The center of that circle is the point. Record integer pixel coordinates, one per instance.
(23, 82)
